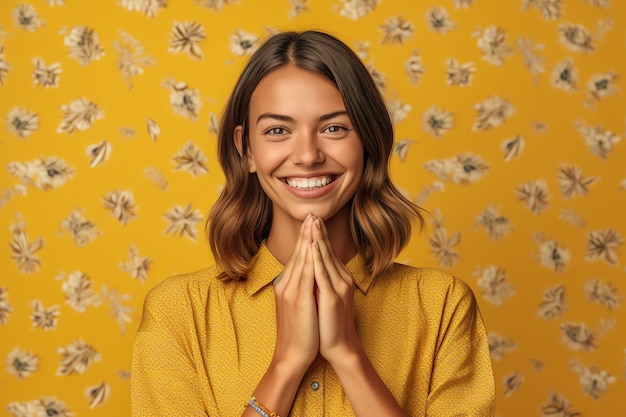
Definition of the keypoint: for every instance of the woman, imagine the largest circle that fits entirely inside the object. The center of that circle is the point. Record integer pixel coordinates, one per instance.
(305, 312)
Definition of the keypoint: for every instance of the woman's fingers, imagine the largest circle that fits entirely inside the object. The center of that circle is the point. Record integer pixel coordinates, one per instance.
(321, 274)
(297, 256)
(331, 263)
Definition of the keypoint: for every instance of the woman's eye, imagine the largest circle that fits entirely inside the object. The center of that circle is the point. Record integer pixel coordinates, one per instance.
(276, 131)
(334, 129)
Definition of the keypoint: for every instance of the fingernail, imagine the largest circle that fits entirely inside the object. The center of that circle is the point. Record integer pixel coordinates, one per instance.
(308, 219)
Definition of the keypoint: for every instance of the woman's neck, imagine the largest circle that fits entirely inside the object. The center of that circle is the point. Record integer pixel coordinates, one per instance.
(284, 234)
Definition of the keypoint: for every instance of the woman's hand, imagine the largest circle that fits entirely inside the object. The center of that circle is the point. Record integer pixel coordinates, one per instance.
(297, 340)
(335, 299)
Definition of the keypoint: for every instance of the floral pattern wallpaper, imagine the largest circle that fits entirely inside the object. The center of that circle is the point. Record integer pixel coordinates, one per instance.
(509, 121)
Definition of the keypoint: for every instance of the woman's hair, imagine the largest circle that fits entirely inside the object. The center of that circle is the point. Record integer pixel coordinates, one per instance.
(380, 216)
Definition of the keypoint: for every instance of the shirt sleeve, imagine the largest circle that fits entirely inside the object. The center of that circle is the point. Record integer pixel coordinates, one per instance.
(163, 378)
(462, 382)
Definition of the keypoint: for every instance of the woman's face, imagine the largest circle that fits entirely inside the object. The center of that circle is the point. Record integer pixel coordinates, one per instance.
(303, 147)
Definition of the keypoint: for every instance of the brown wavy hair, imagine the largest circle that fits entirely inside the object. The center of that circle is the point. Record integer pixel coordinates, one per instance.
(380, 216)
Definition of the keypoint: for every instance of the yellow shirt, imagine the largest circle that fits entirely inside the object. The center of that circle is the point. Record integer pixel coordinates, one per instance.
(203, 345)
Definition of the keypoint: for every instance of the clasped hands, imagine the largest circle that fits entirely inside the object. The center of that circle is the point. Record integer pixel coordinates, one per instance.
(314, 301)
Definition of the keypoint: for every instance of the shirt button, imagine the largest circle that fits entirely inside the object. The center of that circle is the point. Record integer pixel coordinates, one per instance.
(315, 385)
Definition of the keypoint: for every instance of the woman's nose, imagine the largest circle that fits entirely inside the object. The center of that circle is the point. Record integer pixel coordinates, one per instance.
(306, 150)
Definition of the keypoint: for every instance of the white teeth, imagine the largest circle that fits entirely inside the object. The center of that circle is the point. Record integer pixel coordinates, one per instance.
(308, 184)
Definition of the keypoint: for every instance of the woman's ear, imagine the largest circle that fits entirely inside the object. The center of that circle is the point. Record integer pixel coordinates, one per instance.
(238, 139)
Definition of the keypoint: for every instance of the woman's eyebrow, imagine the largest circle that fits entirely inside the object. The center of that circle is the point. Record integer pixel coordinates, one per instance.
(281, 117)
(332, 115)
(285, 118)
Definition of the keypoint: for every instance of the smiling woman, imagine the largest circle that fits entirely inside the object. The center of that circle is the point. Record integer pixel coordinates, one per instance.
(305, 312)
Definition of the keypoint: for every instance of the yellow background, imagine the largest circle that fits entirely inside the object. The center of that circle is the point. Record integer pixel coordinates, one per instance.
(541, 357)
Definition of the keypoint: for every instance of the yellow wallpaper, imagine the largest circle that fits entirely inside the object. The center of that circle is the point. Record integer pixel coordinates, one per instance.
(509, 117)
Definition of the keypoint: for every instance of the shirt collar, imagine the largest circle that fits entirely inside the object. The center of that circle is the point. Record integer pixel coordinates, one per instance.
(266, 267)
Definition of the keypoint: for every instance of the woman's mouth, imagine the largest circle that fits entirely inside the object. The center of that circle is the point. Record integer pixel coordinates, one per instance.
(309, 183)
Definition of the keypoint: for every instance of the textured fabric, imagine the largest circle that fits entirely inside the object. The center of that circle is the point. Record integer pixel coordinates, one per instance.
(203, 345)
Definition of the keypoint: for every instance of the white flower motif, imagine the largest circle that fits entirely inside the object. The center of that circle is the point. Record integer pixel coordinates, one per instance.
(513, 147)
(23, 251)
(77, 357)
(45, 318)
(534, 194)
(463, 4)
(148, 7)
(21, 363)
(601, 142)
(463, 168)
(213, 124)
(578, 336)
(493, 284)
(115, 301)
(98, 153)
(602, 244)
(499, 346)
(492, 113)
(132, 57)
(603, 4)
(565, 75)
(121, 204)
(512, 383)
(137, 266)
(186, 36)
(398, 110)
(5, 68)
(22, 122)
(593, 380)
(576, 38)
(414, 68)
(215, 4)
(82, 230)
(379, 78)
(603, 294)
(356, 9)
(601, 85)
(183, 221)
(98, 394)
(459, 74)
(531, 60)
(438, 20)
(46, 76)
(26, 17)
(5, 306)
(243, 43)
(550, 9)
(558, 406)
(437, 121)
(554, 303)
(572, 217)
(297, 7)
(79, 292)
(51, 172)
(401, 148)
(79, 115)
(191, 159)
(397, 30)
(496, 225)
(571, 181)
(183, 99)
(83, 46)
(492, 43)
(553, 255)
(154, 130)
(155, 175)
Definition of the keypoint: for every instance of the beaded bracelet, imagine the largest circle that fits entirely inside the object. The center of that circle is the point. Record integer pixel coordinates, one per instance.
(259, 408)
